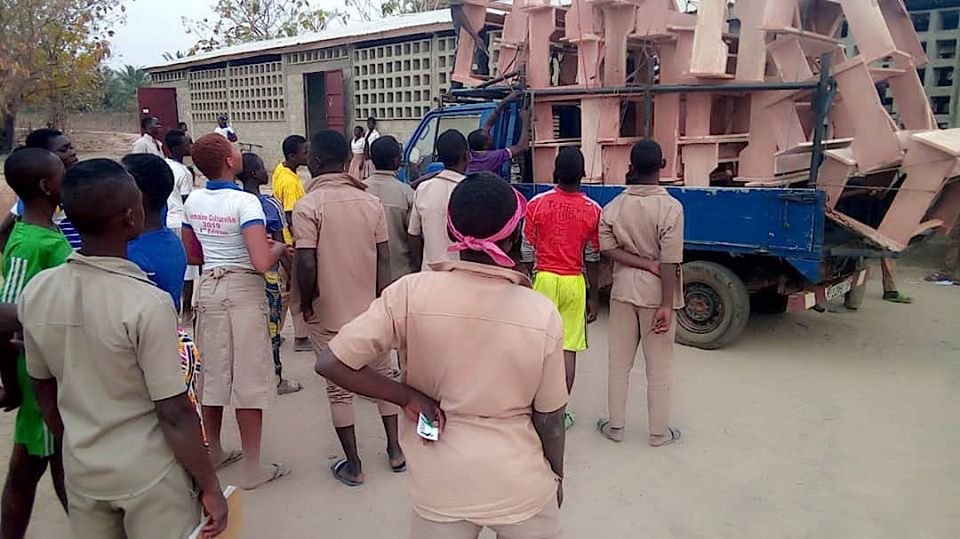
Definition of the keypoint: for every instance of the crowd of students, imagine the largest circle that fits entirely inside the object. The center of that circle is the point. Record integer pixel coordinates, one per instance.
(366, 267)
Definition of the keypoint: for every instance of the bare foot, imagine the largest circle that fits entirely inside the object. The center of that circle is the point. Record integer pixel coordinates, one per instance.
(264, 475)
(660, 440)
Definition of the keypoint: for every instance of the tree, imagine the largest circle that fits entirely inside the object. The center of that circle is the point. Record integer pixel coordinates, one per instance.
(369, 10)
(119, 87)
(50, 56)
(242, 21)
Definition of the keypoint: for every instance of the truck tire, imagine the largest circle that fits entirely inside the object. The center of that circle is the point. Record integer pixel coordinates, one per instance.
(717, 306)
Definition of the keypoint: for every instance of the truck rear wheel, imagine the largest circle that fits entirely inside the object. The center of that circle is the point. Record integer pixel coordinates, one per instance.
(717, 306)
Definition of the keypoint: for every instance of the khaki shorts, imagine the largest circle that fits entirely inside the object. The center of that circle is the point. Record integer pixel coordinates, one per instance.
(233, 333)
(543, 525)
(169, 509)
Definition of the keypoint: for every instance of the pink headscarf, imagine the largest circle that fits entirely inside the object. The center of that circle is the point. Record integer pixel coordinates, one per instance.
(489, 245)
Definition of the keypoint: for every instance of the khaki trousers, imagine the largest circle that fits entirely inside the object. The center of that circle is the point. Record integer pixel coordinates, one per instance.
(341, 400)
(290, 300)
(169, 509)
(543, 525)
(888, 271)
(629, 329)
(951, 260)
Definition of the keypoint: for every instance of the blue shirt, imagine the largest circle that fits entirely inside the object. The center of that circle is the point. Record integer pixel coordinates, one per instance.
(275, 220)
(159, 253)
(69, 232)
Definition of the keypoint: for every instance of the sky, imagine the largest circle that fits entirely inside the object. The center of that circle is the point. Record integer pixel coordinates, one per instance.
(154, 27)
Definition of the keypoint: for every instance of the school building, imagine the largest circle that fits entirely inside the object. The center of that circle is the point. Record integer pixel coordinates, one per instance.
(393, 70)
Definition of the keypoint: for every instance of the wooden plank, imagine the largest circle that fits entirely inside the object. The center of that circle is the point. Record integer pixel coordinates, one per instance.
(869, 28)
(541, 25)
(604, 114)
(544, 162)
(709, 50)
(653, 17)
(699, 105)
(618, 22)
(713, 139)
(874, 142)
(616, 162)
(900, 25)
(927, 167)
(909, 96)
(666, 129)
(790, 59)
(868, 233)
(698, 162)
(752, 49)
(466, 48)
(945, 140)
(757, 159)
(836, 170)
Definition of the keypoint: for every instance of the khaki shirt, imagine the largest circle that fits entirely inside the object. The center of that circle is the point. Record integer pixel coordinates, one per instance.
(477, 339)
(429, 216)
(397, 199)
(344, 223)
(109, 337)
(646, 221)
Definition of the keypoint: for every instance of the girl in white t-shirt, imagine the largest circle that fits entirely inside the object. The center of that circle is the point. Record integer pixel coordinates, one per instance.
(224, 230)
(358, 146)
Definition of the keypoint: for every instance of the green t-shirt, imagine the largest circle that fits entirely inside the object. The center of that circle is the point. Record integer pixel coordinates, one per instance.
(30, 250)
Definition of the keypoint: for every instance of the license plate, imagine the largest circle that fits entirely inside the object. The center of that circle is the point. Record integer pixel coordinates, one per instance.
(836, 290)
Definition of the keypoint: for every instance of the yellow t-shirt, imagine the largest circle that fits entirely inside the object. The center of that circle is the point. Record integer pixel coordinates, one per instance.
(288, 189)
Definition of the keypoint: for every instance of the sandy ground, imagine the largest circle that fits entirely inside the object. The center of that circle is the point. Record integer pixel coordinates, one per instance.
(838, 424)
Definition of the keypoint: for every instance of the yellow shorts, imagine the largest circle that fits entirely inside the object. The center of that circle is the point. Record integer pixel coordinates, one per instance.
(569, 294)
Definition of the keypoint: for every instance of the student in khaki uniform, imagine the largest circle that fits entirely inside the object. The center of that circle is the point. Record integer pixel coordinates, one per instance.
(101, 347)
(397, 200)
(428, 218)
(642, 232)
(343, 263)
(489, 350)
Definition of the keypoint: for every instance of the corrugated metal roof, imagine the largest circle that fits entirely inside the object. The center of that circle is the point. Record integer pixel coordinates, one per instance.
(389, 26)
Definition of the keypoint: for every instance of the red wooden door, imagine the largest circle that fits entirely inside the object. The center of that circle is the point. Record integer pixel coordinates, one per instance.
(336, 104)
(159, 102)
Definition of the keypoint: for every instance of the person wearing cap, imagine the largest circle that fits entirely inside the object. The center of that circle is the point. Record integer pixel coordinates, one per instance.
(224, 130)
(641, 231)
(488, 349)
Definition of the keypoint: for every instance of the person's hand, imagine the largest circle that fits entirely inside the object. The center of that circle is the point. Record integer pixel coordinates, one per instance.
(214, 505)
(662, 319)
(306, 310)
(560, 493)
(593, 309)
(653, 267)
(418, 403)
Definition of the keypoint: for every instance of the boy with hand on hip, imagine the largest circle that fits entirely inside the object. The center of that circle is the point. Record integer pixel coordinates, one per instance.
(642, 232)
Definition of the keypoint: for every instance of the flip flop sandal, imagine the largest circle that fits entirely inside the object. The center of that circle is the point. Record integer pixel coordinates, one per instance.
(285, 387)
(568, 420)
(400, 468)
(897, 297)
(604, 428)
(674, 436)
(336, 467)
(938, 276)
(279, 470)
(232, 456)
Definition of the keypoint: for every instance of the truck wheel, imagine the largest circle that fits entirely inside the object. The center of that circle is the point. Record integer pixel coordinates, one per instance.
(768, 302)
(717, 306)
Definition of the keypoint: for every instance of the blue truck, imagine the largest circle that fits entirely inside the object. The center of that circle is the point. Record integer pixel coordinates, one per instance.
(747, 250)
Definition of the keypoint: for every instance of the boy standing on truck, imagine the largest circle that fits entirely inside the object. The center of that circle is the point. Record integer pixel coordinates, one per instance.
(485, 159)
(559, 225)
(641, 231)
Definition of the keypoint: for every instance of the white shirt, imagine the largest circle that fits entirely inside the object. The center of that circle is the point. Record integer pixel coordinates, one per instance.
(357, 145)
(217, 215)
(372, 135)
(148, 144)
(182, 186)
(225, 132)
(428, 217)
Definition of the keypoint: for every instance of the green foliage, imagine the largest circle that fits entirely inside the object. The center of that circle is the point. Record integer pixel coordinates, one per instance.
(242, 21)
(119, 87)
(51, 51)
(369, 10)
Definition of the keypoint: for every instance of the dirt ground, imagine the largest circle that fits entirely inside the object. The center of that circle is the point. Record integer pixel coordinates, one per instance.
(838, 424)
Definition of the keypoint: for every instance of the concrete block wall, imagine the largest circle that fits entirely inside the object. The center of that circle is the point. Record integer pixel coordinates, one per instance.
(939, 31)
